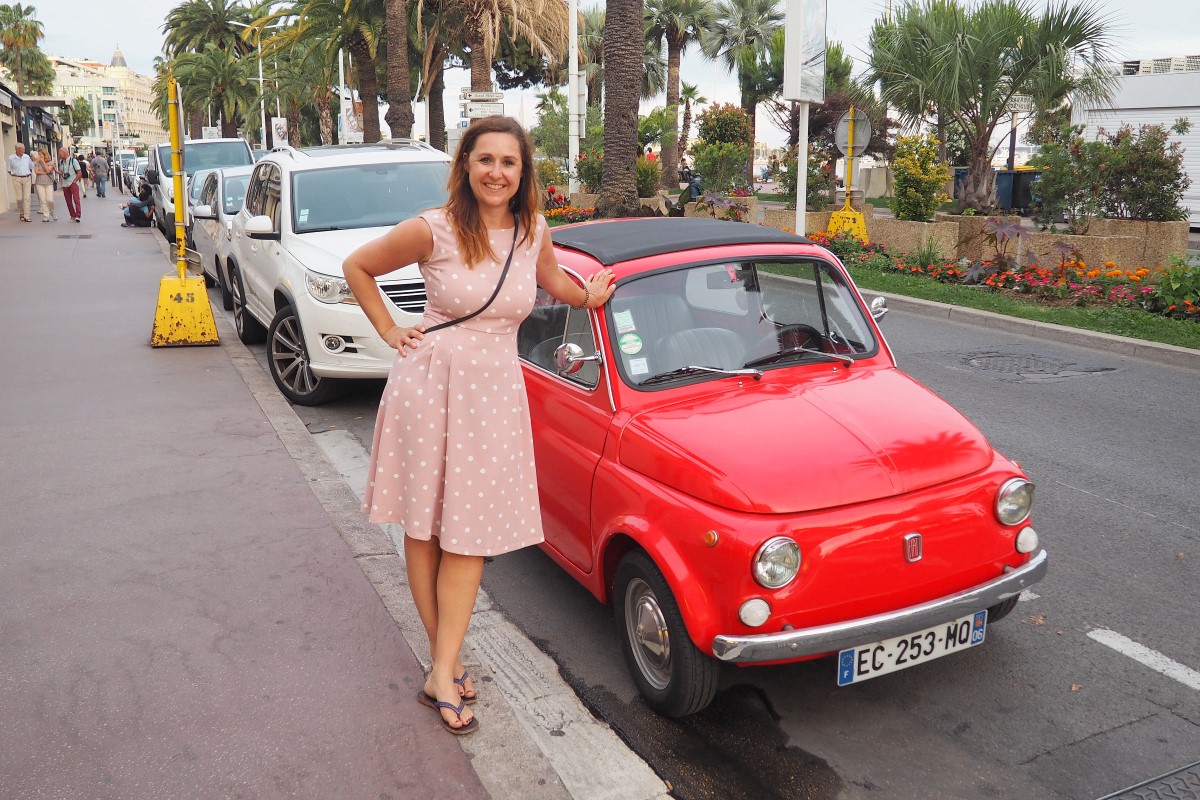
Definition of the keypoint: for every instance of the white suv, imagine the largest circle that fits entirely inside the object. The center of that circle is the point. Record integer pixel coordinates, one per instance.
(305, 211)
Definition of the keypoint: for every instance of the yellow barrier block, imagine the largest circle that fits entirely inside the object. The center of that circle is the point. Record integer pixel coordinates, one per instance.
(851, 222)
(183, 315)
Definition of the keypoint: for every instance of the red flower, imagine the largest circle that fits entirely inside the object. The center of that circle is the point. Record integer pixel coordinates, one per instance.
(551, 189)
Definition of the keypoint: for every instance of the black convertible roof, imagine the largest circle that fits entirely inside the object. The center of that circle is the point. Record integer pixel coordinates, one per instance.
(610, 242)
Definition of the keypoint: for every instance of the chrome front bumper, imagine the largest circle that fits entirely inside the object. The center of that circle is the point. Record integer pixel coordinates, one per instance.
(839, 636)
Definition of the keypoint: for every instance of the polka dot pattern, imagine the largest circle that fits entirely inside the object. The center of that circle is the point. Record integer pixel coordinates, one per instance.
(440, 469)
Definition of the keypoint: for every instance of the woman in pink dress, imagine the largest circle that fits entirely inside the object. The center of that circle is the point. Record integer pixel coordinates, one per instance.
(452, 460)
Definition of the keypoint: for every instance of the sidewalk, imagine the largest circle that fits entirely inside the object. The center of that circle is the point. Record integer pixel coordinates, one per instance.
(179, 616)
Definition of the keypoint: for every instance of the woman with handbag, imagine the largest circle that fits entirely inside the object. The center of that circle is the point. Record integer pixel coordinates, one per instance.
(45, 183)
(452, 459)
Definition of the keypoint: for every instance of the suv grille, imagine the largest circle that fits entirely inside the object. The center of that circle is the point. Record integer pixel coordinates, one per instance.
(409, 296)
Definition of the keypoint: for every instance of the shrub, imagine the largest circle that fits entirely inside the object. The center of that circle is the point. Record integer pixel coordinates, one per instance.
(919, 178)
(549, 172)
(820, 181)
(649, 176)
(724, 124)
(1177, 293)
(589, 168)
(719, 164)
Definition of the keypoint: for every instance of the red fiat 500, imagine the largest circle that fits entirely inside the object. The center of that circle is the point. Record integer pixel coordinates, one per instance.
(727, 453)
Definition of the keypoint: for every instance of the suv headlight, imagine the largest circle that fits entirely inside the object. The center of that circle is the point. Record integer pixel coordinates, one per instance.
(1014, 501)
(777, 562)
(327, 288)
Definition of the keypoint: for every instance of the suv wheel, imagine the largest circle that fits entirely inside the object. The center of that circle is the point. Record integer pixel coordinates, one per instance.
(670, 672)
(226, 295)
(249, 330)
(287, 358)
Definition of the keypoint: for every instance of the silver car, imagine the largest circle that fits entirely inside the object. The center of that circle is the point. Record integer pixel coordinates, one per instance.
(218, 200)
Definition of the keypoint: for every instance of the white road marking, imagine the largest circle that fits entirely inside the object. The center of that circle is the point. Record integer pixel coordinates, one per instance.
(1150, 658)
(1027, 595)
(1155, 517)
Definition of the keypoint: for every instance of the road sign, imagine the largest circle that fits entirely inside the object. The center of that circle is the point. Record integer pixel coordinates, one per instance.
(862, 132)
(1020, 104)
(484, 97)
(480, 110)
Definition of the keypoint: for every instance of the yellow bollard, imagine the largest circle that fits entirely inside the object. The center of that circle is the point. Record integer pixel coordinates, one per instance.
(183, 315)
(846, 218)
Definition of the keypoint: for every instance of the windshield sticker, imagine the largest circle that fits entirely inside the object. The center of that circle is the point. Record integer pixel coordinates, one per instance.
(624, 320)
(303, 215)
(630, 344)
(638, 366)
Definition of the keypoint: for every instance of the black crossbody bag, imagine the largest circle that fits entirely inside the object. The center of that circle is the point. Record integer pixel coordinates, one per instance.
(481, 309)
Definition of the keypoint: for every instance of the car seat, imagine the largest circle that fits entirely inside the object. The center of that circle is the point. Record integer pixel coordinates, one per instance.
(703, 347)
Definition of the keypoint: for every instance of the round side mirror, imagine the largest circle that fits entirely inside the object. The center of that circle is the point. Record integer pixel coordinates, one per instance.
(568, 358)
(879, 308)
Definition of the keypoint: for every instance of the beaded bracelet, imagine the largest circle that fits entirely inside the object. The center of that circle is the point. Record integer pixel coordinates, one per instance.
(587, 295)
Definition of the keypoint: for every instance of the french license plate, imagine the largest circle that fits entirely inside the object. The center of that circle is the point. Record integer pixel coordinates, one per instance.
(868, 661)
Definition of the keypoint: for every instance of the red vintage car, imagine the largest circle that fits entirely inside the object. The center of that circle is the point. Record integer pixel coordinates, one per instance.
(727, 453)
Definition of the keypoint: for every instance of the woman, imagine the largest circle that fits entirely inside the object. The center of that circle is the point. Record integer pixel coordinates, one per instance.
(139, 210)
(44, 171)
(452, 460)
(85, 174)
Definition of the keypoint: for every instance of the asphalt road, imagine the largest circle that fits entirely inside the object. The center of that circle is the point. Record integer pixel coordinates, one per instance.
(1088, 687)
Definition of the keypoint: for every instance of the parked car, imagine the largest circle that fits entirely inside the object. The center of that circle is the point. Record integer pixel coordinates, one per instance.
(195, 182)
(139, 174)
(222, 193)
(305, 211)
(198, 154)
(747, 477)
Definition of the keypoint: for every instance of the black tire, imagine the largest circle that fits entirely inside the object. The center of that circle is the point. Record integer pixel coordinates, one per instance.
(674, 677)
(287, 359)
(1001, 610)
(249, 330)
(226, 295)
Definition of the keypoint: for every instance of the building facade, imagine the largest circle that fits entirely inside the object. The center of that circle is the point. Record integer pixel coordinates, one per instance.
(119, 99)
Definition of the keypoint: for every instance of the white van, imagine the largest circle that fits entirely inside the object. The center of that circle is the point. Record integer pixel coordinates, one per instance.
(198, 154)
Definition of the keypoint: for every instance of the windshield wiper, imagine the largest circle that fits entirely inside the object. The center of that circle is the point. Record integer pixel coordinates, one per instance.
(324, 228)
(688, 370)
(798, 351)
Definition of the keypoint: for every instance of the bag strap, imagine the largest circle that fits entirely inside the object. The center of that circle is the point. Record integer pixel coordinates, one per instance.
(481, 309)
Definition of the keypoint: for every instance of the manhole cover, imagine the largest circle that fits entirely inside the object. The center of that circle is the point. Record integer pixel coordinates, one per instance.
(1028, 367)
(1181, 785)
(75, 236)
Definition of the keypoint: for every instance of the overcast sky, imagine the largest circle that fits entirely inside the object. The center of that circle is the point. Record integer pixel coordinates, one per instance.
(94, 28)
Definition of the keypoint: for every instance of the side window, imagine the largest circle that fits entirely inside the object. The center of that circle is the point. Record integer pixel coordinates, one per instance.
(208, 194)
(254, 195)
(551, 324)
(272, 197)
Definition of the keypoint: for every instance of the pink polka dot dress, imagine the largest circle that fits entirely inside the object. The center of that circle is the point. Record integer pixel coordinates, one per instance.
(453, 449)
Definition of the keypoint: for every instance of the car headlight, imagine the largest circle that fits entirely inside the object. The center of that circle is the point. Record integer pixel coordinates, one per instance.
(328, 289)
(777, 562)
(1014, 501)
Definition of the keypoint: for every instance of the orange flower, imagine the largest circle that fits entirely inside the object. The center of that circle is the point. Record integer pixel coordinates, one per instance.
(1109, 265)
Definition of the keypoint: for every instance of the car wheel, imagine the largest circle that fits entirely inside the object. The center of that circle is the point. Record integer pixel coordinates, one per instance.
(287, 358)
(1001, 610)
(249, 330)
(674, 677)
(226, 295)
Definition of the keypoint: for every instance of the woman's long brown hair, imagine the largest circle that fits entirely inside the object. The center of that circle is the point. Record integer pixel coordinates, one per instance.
(464, 208)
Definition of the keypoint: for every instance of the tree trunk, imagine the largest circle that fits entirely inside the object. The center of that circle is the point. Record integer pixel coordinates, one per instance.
(623, 47)
(751, 107)
(670, 147)
(437, 110)
(399, 90)
(195, 123)
(325, 116)
(293, 118)
(368, 88)
(980, 191)
(941, 134)
(481, 67)
(687, 127)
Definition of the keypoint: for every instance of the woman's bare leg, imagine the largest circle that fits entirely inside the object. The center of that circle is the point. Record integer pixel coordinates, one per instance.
(457, 587)
(422, 558)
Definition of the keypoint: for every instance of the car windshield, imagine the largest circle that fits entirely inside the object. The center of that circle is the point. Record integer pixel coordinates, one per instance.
(706, 321)
(365, 195)
(235, 193)
(206, 155)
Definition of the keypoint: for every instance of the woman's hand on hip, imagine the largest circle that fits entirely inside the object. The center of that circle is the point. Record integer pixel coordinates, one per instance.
(400, 338)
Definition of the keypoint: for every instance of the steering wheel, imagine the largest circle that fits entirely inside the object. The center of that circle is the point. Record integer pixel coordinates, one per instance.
(774, 341)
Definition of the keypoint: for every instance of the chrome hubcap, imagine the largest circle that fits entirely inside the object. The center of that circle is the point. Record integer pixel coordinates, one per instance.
(290, 360)
(648, 635)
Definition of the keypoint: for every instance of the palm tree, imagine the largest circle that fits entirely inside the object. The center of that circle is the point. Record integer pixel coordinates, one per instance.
(691, 97)
(678, 23)
(654, 69)
(541, 23)
(399, 87)
(985, 56)
(227, 79)
(624, 46)
(19, 30)
(739, 34)
(194, 24)
(591, 52)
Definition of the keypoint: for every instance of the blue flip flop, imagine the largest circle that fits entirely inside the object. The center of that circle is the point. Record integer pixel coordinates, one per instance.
(461, 680)
(435, 704)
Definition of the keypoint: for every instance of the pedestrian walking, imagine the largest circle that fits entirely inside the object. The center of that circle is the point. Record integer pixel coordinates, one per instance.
(20, 174)
(452, 459)
(45, 172)
(68, 178)
(99, 170)
(85, 173)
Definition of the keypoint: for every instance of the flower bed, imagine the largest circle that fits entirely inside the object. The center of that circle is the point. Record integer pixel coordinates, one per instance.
(568, 214)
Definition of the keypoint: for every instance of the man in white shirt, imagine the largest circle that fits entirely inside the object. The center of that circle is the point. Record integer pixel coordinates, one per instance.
(20, 170)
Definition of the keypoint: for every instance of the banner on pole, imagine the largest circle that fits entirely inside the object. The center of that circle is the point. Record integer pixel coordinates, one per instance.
(279, 131)
(352, 132)
(804, 51)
